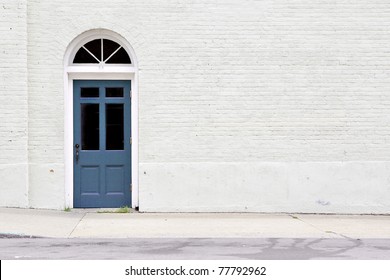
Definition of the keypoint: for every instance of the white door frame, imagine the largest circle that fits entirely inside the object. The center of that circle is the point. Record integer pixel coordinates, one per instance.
(98, 72)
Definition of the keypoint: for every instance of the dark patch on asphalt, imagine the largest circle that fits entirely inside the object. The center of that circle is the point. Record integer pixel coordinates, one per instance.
(60, 245)
(303, 249)
(163, 248)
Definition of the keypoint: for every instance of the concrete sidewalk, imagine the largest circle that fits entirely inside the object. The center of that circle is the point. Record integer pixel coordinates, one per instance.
(91, 224)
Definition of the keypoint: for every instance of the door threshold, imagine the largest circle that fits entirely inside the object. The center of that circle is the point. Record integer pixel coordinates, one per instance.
(122, 210)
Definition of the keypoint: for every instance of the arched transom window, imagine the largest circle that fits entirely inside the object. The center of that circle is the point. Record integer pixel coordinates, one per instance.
(102, 51)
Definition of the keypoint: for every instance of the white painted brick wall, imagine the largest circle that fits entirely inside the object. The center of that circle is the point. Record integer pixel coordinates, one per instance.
(13, 82)
(268, 81)
(13, 103)
(223, 81)
(231, 80)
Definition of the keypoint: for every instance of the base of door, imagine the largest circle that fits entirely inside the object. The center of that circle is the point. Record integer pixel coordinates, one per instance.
(104, 210)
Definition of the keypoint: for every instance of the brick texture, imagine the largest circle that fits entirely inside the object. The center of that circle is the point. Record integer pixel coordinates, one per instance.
(13, 82)
(231, 80)
(13, 104)
(219, 81)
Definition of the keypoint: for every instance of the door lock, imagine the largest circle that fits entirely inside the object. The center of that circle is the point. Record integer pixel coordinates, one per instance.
(77, 146)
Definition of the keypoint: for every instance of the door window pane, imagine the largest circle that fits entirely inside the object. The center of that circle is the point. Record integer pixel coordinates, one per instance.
(89, 92)
(89, 126)
(114, 92)
(114, 127)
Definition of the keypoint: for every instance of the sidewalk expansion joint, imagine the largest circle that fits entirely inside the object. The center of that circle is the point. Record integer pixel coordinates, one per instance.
(70, 234)
(326, 231)
(313, 226)
(338, 234)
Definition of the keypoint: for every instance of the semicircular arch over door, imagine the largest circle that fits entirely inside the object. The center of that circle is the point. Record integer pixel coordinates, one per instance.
(102, 51)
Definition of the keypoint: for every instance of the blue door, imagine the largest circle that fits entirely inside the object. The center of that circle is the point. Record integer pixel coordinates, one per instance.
(102, 143)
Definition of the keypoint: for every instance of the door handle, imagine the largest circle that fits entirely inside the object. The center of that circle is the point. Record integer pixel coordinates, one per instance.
(77, 146)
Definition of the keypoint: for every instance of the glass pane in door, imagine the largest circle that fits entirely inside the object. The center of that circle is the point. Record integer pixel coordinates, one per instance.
(89, 126)
(114, 127)
(114, 92)
(89, 92)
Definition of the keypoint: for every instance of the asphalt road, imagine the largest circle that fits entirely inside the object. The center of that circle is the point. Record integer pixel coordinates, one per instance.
(21, 247)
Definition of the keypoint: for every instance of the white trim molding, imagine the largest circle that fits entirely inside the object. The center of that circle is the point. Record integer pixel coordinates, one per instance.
(98, 72)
